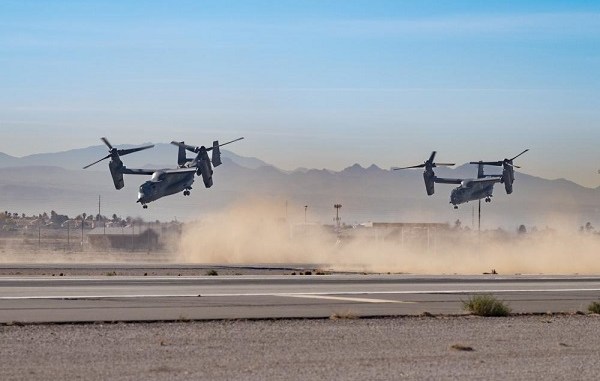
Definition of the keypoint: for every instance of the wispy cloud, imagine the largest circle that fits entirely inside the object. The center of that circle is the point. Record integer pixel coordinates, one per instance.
(31, 123)
(578, 23)
(142, 33)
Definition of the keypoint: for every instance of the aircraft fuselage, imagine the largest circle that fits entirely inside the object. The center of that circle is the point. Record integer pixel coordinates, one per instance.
(160, 186)
(470, 191)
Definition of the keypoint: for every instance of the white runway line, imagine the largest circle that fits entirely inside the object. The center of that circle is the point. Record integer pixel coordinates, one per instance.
(83, 297)
(307, 294)
(347, 299)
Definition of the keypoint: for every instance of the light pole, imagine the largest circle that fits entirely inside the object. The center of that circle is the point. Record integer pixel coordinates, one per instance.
(479, 218)
(132, 234)
(305, 208)
(82, 223)
(337, 215)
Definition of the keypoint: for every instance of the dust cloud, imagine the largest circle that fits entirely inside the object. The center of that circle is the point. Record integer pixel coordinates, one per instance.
(19, 255)
(256, 232)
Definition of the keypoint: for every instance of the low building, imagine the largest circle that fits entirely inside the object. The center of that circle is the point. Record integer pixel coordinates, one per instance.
(403, 233)
(131, 238)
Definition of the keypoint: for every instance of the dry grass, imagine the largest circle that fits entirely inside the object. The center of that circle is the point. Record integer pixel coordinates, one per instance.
(343, 315)
(594, 307)
(486, 305)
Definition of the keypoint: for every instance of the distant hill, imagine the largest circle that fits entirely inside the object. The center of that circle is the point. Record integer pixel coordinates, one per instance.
(162, 155)
(55, 181)
(7, 160)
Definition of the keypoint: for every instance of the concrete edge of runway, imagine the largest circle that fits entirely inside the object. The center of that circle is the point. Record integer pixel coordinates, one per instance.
(333, 317)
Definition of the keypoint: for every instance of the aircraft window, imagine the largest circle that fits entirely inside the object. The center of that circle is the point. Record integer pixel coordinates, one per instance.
(147, 186)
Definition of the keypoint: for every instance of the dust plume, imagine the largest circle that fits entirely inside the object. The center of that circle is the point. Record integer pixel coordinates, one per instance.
(255, 232)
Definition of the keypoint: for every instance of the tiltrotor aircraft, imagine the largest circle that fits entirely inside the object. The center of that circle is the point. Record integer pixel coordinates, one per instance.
(470, 189)
(165, 182)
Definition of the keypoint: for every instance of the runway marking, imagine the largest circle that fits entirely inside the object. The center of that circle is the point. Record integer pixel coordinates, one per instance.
(83, 297)
(347, 299)
(322, 293)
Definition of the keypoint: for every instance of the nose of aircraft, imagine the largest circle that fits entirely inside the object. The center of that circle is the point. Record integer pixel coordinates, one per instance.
(144, 192)
(453, 196)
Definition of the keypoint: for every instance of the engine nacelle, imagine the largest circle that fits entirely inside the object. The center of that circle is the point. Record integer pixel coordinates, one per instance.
(216, 154)
(206, 173)
(429, 178)
(204, 168)
(508, 177)
(115, 167)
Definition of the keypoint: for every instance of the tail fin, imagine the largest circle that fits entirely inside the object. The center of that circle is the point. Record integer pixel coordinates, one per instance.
(216, 154)
(480, 174)
(181, 156)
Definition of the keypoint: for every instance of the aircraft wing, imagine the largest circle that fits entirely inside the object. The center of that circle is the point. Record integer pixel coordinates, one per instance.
(179, 170)
(140, 171)
(133, 171)
(487, 180)
(441, 180)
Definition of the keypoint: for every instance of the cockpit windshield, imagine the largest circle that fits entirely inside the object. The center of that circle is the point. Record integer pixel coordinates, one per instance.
(147, 187)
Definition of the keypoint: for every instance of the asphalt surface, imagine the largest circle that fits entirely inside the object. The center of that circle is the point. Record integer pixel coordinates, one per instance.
(223, 344)
(150, 298)
(414, 348)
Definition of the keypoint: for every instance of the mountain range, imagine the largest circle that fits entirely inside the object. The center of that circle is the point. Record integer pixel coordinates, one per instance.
(55, 181)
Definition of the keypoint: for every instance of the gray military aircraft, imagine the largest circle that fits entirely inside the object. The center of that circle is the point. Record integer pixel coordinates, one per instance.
(165, 182)
(470, 189)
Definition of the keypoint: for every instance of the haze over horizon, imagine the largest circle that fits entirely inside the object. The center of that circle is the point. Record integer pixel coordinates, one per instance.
(315, 84)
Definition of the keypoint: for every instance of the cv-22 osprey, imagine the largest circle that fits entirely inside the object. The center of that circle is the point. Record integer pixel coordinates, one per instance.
(469, 189)
(165, 182)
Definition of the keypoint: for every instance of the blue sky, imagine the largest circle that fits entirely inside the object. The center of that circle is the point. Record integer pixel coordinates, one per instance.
(310, 83)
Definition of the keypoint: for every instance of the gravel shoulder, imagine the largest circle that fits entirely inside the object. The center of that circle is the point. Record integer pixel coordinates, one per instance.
(517, 347)
(157, 269)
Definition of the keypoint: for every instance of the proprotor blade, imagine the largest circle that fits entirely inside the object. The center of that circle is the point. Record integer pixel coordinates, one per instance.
(115, 153)
(122, 152)
(432, 157)
(106, 142)
(234, 140)
(96, 162)
(411, 167)
(494, 163)
(510, 164)
(519, 154)
(187, 147)
(224, 144)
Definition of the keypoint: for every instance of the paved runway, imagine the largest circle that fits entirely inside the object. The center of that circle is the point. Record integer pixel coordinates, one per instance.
(110, 298)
